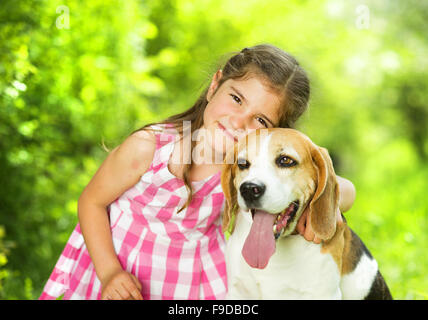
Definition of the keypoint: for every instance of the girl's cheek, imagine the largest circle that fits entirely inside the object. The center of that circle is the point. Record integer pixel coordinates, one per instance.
(242, 133)
(224, 107)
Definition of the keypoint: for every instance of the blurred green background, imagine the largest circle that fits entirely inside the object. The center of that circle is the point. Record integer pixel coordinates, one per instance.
(75, 75)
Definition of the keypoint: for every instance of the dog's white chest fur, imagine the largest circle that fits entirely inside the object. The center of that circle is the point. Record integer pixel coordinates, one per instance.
(297, 270)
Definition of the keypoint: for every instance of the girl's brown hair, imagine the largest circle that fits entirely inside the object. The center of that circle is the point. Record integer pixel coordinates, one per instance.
(279, 70)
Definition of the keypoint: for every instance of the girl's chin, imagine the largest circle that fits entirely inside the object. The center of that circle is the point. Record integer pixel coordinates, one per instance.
(217, 143)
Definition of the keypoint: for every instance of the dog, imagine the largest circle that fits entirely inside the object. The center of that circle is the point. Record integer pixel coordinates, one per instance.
(268, 179)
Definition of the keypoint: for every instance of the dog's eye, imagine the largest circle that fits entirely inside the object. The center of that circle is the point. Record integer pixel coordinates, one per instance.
(243, 164)
(284, 161)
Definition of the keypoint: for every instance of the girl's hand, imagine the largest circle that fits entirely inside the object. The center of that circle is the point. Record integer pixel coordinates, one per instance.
(121, 285)
(305, 229)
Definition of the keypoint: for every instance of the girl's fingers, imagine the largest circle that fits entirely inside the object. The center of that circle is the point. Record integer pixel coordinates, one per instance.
(301, 224)
(309, 234)
(317, 240)
(132, 290)
(124, 287)
(304, 227)
(108, 295)
(137, 282)
(112, 294)
(122, 293)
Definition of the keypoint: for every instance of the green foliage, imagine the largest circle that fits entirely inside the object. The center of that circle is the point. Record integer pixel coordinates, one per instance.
(62, 94)
(120, 64)
(4, 251)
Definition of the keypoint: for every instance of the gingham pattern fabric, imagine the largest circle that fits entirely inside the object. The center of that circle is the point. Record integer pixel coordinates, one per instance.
(174, 255)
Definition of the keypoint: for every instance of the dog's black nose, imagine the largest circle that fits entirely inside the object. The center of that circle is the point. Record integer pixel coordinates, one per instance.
(251, 191)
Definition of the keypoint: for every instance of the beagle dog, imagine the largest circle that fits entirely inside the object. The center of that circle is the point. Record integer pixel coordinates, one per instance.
(268, 180)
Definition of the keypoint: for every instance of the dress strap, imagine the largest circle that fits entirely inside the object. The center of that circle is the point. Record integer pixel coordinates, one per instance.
(165, 137)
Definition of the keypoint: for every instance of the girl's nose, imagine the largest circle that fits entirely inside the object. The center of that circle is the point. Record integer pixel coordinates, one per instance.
(239, 121)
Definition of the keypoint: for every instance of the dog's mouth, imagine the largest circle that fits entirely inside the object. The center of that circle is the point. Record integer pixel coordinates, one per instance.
(266, 228)
(282, 219)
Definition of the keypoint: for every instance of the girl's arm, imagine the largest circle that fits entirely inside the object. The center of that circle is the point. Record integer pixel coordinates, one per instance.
(346, 200)
(347, 194)
(120, 171)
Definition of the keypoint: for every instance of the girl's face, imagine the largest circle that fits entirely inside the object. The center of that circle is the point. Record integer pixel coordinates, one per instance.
(237, 108)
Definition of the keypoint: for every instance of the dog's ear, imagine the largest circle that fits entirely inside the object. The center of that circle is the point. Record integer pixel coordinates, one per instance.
(229, 190)
(325, 201)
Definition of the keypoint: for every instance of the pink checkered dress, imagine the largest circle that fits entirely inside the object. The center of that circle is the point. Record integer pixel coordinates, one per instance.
(174, 255)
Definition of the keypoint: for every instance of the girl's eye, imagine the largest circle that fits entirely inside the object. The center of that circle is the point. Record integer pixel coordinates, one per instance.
(236, 98)
(262, 121)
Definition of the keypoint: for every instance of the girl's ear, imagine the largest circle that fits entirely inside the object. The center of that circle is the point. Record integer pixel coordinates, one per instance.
(229, 190)
(324, 203)
(214, 84)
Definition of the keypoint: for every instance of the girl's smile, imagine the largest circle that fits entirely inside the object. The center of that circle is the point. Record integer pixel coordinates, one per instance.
(229, 134)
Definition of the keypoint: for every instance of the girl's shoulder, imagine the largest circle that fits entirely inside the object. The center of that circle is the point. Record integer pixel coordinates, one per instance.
(142, 144)
(149, 136)
(144, 136)
(139, 141)
(135, 152)
(160, 134)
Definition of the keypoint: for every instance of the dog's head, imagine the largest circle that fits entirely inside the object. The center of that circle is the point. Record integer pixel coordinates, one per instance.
(276, 173)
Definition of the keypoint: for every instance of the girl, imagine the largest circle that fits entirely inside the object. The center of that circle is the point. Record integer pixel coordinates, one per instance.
(149, 222)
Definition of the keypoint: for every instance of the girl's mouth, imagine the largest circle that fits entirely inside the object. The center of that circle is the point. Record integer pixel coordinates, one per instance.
(227, 132)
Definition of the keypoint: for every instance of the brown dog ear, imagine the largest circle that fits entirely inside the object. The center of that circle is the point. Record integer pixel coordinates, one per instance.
(229, 190)
(325, 202)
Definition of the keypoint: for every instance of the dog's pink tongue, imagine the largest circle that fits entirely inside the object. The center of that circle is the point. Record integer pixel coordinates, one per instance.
(260, 243)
